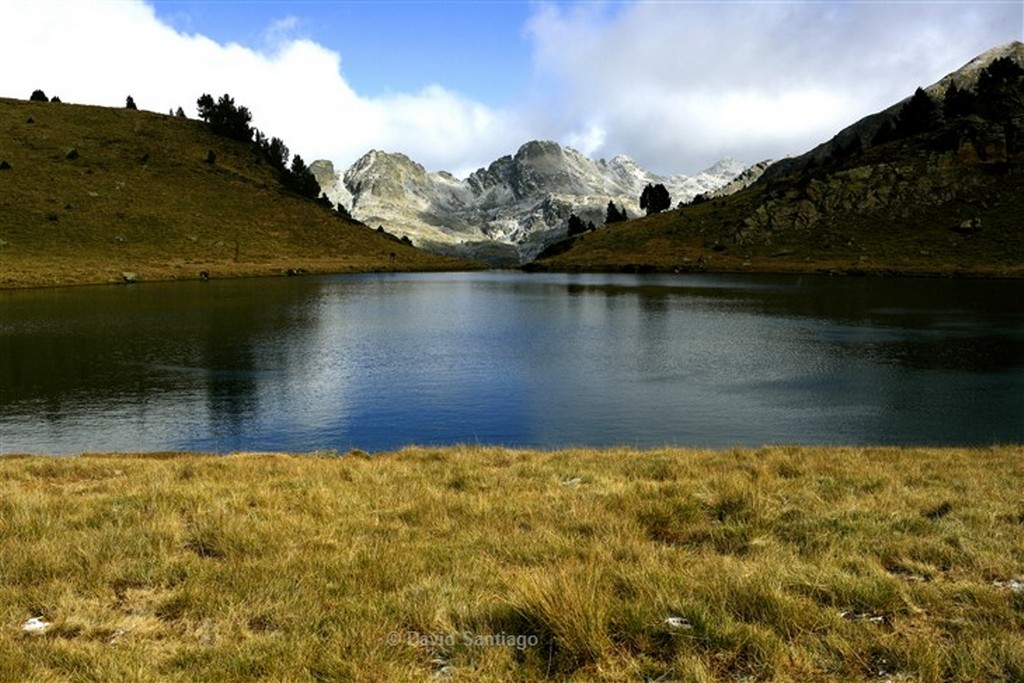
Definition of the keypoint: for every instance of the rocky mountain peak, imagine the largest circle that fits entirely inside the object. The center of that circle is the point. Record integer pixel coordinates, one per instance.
(967, 75)
(509, 211)
(537, 149)
(727, 166)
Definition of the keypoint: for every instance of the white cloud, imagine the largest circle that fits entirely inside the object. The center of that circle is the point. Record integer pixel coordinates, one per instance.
(281, 31)
(100, 52)
(587, 141)
(438, 124)
(675, 85)
(679, 85)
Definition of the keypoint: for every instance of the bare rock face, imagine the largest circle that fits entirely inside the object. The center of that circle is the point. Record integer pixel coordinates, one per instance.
(508, 212)
(326, 176)
(745, 179)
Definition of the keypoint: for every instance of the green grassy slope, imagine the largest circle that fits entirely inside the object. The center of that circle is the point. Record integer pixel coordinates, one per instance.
(136, 194)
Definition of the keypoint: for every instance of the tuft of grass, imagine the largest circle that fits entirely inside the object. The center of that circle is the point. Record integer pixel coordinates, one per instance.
(490, 564)
(567, 611)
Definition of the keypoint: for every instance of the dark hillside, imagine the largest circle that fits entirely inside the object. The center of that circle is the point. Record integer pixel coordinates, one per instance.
(937, 189)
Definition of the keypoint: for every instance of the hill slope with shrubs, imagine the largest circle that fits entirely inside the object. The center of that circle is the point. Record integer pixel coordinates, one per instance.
(933, 186)
(94, 194)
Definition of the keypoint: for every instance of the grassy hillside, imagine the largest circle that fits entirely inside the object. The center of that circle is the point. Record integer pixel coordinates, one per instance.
(92, 192)
(481, 564)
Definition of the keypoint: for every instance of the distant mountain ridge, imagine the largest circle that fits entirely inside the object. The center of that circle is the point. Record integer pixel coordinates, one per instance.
(508, 212)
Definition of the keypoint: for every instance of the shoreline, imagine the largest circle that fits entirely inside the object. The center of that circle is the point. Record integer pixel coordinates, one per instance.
(769, 266)
(175, 272)
(464, 448)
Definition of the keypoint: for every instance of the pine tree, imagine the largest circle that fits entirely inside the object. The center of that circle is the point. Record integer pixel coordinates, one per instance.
(885, 133)
(1001, 90)
(576, 225)
(226, 119)
(655, 198)
(613, 215)
(277, 153)
(957, 103)
(300, 179)
(918, 115)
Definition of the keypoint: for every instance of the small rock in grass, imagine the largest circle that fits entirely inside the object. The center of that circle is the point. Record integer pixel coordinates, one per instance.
(1013, 585)
(35, 625)
(678, 622)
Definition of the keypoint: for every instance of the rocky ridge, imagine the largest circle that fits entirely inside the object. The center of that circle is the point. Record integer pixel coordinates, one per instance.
(863, 131)
(748, 177)
(508, 212)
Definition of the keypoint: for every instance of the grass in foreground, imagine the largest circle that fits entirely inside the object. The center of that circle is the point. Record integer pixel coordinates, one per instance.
(469, 564)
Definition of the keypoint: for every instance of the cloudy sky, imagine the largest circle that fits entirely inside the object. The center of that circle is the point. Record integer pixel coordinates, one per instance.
(457, 83)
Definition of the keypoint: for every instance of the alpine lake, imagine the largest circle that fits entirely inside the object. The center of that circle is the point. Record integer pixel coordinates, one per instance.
(375, 362)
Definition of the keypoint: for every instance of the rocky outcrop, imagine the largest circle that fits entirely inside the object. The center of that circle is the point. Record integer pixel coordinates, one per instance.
(748, 177)
(507, 212)
(953, 177)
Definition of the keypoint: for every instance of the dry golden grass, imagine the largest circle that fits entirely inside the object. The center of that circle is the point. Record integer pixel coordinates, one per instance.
(487, 564)
(139, 197)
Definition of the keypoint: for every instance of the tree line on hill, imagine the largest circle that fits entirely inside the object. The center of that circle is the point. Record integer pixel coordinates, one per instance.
(40, 96)
(996, 97)
(233, 121)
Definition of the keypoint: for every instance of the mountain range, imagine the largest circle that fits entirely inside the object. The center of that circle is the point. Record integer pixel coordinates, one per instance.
(877, 195)
(94, 194)
(508, 212)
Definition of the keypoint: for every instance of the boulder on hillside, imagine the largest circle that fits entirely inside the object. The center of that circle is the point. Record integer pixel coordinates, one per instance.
(971, 226)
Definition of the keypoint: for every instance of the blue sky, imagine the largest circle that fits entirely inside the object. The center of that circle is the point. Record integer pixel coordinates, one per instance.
(675, 84)
(386, 47)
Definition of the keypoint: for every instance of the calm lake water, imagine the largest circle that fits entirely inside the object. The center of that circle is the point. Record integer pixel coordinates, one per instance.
(379, 361)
